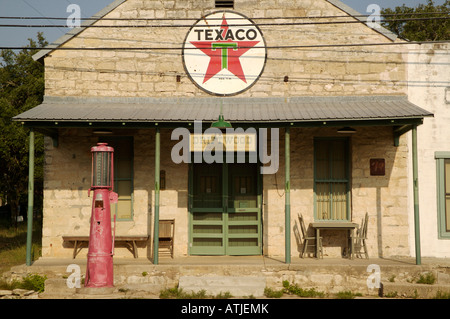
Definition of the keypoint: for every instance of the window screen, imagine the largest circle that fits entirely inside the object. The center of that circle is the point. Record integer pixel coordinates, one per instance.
(331, 179)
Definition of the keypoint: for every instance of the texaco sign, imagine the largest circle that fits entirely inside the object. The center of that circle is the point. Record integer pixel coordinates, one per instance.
(224, 53)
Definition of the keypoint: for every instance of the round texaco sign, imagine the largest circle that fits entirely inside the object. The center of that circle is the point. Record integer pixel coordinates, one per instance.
(224, 53)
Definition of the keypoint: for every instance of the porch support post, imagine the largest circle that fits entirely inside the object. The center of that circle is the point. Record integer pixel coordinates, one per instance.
(30, 198)
(416, 194)
(287, 195)
(157, 170)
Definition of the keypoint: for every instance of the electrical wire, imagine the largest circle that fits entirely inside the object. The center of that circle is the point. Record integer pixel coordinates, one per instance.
(216, 25)
(231, 18)
(243, 47)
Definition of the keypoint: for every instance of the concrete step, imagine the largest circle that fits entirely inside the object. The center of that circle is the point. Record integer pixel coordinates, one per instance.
(443, 278)
(237, 286)
(58, 286)
(413, 290)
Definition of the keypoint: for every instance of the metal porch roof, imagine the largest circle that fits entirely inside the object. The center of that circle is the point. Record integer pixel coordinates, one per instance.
(244, 110)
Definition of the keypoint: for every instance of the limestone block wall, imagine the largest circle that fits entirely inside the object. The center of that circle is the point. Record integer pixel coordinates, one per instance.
(349, 70)
(67, 207)
(384, 198)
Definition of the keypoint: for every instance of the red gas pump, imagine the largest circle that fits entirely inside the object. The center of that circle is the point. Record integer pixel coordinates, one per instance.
(99, 270)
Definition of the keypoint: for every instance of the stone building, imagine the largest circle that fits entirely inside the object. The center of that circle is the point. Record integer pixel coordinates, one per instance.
(309, 83)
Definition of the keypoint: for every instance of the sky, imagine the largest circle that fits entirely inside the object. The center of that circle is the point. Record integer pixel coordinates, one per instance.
(58, 8)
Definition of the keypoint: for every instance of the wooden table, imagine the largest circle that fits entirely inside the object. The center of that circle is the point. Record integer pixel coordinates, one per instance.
(350, 227)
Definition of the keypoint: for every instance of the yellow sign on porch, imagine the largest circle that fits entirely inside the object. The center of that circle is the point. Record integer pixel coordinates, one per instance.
(234, 142)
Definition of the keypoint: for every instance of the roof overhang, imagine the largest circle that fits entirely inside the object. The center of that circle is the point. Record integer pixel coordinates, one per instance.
(57, 112)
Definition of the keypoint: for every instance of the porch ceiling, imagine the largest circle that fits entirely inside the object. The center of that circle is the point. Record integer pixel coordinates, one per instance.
(353, 109)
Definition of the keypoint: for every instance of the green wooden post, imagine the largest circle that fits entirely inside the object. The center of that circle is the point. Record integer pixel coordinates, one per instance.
(157, 165)
(287, 195)
(416, 195)
(30, 198)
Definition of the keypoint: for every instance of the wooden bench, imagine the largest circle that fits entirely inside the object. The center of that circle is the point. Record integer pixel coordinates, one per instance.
(80, 242)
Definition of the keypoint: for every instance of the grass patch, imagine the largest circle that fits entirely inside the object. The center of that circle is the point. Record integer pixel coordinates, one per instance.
(427, 279)
(393, 294)
(270, 293)
(442, 295)
(178, 293)
(13, 244)
(347, 295)
(30, 282)
(307, 293)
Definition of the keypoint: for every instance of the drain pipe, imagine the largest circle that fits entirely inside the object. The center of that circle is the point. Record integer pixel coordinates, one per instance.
(30, 198)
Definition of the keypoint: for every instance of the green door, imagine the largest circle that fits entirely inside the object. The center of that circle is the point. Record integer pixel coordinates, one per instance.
(225, 210)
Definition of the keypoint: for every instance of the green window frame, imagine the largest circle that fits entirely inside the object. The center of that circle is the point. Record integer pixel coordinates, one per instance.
(443, 193)
(123, 175)
(332, 179)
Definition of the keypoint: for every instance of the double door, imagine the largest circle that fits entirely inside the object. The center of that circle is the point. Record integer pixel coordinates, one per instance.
(225, 209)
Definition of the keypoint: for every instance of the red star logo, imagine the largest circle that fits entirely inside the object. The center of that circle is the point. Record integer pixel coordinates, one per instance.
(224, 54)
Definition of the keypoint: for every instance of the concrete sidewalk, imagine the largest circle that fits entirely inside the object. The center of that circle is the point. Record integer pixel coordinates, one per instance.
(248, 275)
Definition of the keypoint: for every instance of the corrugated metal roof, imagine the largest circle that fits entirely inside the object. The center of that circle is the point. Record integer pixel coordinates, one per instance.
(300, 109)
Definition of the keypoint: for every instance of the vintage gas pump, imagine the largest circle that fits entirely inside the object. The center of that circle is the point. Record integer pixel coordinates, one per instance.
(99, 269)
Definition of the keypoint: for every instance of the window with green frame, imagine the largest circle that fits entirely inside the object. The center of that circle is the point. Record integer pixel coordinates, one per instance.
(123, 175)
(443, 193)
(331, 179)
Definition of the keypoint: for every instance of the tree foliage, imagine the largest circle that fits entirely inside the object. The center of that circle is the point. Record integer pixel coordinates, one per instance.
(427, 29)
(21, 88)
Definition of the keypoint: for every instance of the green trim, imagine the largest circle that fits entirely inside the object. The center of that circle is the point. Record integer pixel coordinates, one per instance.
(130, 139)
(439, 155)
(287, 196)
(30, 198)
(225, 238)
(415, 164)
(157, 177)
(243, 124)
(440, 194)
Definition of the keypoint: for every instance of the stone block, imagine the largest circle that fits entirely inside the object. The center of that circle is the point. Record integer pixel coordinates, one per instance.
(236, 285)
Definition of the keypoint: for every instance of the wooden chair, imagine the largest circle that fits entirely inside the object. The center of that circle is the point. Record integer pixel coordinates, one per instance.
(307, 239)
(167, 234)
(359, 239)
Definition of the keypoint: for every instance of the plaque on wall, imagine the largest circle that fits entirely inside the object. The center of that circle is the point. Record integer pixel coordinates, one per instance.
(377, 167)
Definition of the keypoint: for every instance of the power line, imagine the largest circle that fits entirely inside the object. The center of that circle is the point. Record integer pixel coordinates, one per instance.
(32, 7)
(216, 25)
(231, 18)
(243, 47)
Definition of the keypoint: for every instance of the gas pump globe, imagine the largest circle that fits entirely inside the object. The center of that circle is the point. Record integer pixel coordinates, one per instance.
(99, 270)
